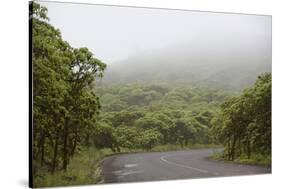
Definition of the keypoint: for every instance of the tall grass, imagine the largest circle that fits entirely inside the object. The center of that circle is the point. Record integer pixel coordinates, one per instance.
(255, 159)
(84, 168)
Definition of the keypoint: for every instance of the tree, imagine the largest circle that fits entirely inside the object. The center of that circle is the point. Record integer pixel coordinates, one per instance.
(184, 131)
(51, 57)
(65, 105)
(127, 137)
(150, 138)
(245, 121)
(105, 137)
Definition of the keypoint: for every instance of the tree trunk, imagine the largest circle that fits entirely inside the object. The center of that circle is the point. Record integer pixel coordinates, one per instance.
(233, 148)
(42, 147)
(74, 144)
(65, 150)
(181, 143)
(248, 148)
(239, 146)
(186, 142)
(55, 154)
(228, 150)
(87, 140)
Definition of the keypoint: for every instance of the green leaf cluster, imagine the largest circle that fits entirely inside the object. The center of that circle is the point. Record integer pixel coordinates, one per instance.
(65, 104)
(244, 122)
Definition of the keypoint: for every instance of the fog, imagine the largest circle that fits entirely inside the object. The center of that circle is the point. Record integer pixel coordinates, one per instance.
(131, 40)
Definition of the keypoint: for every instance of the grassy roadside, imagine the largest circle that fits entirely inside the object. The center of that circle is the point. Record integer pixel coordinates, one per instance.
(85, 167)
(256, 159)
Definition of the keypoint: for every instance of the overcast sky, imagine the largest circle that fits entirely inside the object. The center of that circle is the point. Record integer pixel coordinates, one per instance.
(114, 33)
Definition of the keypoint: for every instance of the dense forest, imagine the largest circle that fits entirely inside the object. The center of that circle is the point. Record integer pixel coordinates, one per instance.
(143, 116)
(77, 106)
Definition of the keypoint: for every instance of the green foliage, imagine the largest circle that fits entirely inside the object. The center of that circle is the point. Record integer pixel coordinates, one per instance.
(150, 138)
(173, 117)
(65, 106)
(255, 159)
(104, 136)
(71, 115)
(127, 137)
(85, 168)
(244, 122)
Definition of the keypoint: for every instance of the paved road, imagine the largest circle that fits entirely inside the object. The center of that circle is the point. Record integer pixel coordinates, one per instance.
(154, 166)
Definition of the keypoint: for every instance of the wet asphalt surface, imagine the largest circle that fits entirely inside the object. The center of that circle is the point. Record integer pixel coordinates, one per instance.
(187, 164)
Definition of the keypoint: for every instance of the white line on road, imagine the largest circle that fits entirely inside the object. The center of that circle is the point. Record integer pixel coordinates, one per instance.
(181, 165)
(130, 165)
(130, 173)
(122, 173)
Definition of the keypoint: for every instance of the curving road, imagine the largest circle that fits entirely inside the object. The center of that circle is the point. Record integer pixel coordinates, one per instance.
(154, 166)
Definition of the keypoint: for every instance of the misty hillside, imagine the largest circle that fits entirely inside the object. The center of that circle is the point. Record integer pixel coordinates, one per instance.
(201, 62)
